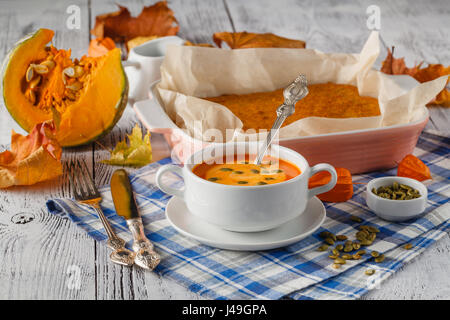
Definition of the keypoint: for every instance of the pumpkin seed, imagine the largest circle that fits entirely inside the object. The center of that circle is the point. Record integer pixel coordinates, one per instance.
(213, 179)
(380, 258)
(356, 245)
(369, 272)
(31, 96)
(374, 191)
(50, 64)
(71, 95)
(340, 261)
(346, 256)
(348, 248)
(373, 229)
(254, 171)
(269, 178)
(324, 234)
(225, 169)
(366, 242)
(361, 252)
(261, 183)
(341, 237)
(336, 265)
(356, 256)
(75, 86)
(242, 182)
(375, 254)
(332, 236)
(348, 243)
(79, 71)
(35, 82)
(395, 186)
(339, 247)
(372, 236)
(69, 71)
(333, 256)
(329, 241)
(407, 246)
(335, 252)
(29, 74)
(39, 68)
(355, 219)
(323, 247)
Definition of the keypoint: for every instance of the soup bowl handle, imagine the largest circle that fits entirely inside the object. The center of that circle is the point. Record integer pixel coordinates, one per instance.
(327, 187)
(164, 187)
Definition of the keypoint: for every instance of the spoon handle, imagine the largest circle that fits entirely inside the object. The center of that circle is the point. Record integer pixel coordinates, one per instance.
(282, 114)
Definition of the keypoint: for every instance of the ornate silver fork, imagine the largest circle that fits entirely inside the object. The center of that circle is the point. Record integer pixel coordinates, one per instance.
(86, 193)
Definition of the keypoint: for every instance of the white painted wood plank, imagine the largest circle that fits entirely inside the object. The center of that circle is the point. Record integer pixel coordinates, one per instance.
(36, 256)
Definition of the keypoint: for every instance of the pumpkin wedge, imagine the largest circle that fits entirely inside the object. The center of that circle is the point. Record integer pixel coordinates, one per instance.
(84, 97)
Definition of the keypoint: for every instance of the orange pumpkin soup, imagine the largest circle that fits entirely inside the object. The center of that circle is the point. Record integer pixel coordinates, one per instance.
(245, 173)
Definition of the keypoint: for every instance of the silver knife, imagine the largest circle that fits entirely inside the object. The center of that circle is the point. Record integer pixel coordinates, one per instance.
(122, 194)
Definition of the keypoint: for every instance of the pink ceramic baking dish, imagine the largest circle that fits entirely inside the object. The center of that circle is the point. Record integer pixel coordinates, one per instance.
(359, 150)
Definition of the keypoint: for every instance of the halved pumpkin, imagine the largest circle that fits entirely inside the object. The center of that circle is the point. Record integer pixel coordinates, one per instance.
(85, 97)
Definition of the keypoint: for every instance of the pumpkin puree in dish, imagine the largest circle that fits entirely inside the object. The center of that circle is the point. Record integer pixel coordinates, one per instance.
(258, 110)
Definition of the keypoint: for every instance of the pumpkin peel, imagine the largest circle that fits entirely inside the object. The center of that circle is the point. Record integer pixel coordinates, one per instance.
(342, 191)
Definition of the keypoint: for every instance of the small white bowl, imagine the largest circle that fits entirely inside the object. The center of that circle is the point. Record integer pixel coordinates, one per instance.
(396, 210)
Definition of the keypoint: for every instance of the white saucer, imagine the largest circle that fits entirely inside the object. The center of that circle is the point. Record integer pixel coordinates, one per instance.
(292, 231)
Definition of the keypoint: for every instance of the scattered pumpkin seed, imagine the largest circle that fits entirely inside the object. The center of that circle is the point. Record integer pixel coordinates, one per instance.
(366, 242)
(373, 229)
(340, 261)
(356, 245)
(348, 248)
(335, 252)
(346, 256)
(341, 237)
(380, 258)
(339, 247)
(336, 265)
(355, 219)
(323, 247)
(361, 252)
(330, 241)
(375, 254)
(369, 272)
(324, 234)
(356, 256)
(408, 246)
(332, 256)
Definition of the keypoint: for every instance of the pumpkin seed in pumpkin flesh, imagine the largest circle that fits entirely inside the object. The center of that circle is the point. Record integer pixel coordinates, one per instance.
(29, 74)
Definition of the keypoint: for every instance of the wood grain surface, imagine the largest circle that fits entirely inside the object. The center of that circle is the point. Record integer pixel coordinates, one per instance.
(49, 258)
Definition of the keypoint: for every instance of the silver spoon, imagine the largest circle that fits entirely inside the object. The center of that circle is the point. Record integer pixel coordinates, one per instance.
(294, 92)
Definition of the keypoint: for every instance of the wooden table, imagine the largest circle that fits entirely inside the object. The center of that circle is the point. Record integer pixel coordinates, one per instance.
(41, 258)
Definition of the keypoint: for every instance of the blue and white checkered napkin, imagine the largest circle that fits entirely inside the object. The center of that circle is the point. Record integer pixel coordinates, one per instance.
(298, 271)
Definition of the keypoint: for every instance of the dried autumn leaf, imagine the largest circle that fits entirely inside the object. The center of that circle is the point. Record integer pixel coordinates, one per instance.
(33, 158)
(191, 44)
(240, 40)
(138, 41)
(137, 154)
(100, 46)
(343, 190)
(412, 167)
(155, 20)
(393, 65)
(432, 72)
